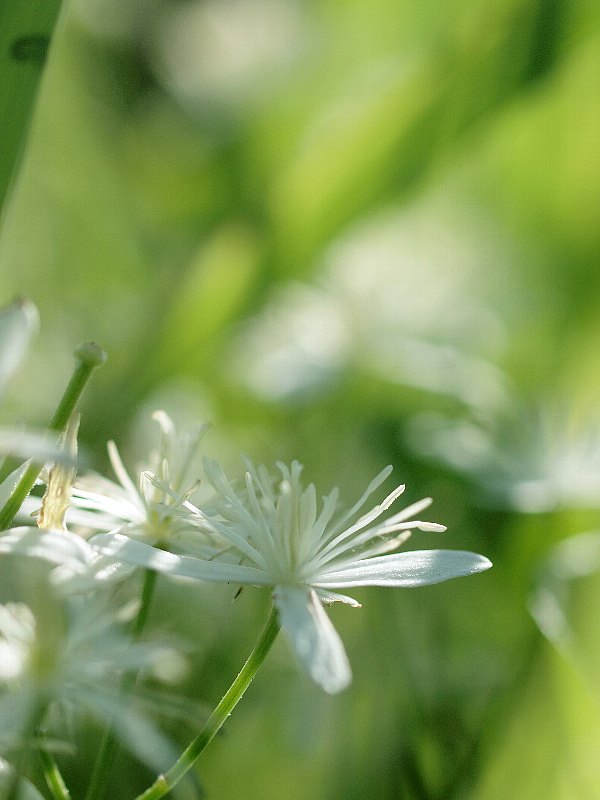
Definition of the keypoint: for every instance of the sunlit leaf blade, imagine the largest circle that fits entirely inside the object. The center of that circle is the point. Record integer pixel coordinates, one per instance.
(25, 30)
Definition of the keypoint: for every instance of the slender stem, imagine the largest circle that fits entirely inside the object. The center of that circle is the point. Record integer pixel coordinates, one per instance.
(164, 783)
(89, 357)
(104, 760)
(108, 745)
(144, 611)
(54, 780)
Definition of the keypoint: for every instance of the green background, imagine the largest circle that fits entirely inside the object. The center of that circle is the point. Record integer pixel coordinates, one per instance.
(354, 233)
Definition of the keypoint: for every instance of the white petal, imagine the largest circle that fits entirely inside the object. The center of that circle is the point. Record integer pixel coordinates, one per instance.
(366, 519)
(122, 548)
(18, 322)
(377, 549)
(90, 519)
(315, 640)
(36, 444)
(375, 484)
(103, 570)
(328, 598)
(415, 568)
(7, 486)
(26, 791)
(57, 547)
(123, 476)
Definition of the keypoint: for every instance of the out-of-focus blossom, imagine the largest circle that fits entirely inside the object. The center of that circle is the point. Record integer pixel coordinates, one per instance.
(73, 658)
(533, 460)
(399, 297)
(299, 345)
(229, 51)
(566, 581)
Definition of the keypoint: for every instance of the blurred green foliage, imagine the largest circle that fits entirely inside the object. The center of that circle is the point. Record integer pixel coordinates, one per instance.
(325, 227)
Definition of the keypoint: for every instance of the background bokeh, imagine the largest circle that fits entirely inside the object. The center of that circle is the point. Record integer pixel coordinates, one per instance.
(352, 232)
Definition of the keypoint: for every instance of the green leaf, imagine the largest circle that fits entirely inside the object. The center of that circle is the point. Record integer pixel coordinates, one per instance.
(25, 30)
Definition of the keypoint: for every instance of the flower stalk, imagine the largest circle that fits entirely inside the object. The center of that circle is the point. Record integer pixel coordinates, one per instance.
(108, 745)
(164, 783)
(89, 356)
(54, 779)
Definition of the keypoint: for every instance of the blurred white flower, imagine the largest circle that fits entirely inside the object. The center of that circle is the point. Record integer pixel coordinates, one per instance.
(564, 603)
(73, 657)
(275, 536)
(298, 345)
(534, 459)
(401, 296)
(226, 50)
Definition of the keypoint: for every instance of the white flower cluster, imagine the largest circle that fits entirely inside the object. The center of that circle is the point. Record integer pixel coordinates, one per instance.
(265, 530)
(71, 640)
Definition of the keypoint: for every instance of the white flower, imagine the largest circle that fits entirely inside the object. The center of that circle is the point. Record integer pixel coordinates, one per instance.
(159, 511)
(74, 656)
(274, 535)
(535, 459)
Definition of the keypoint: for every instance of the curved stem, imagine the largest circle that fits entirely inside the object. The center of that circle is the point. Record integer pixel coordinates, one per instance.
(164, 783)
(53, 777)
(108, 744)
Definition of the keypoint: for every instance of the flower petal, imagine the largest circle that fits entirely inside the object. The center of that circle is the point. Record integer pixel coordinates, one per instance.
(57, 547)
(328, 598)
(123, 476)
(18, 322)
(415, 568)
(122, 548)
(8, 485)
(26, 790)
(40, 445)
(315, 640)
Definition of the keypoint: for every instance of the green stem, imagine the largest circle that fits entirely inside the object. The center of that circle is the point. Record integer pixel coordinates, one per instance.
(108, 745)
(89, 357)
(144, 611)
(54, 780)
(164, 783)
